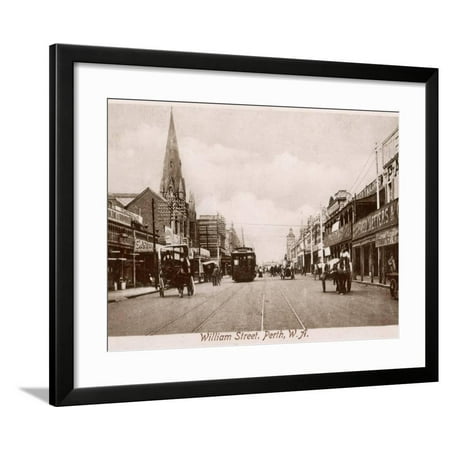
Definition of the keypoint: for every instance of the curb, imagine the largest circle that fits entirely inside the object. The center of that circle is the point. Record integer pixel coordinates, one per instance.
(140, 295)
(126, 297)
(368, 283)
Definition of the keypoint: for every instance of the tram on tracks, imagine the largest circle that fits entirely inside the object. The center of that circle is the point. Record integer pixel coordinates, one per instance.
(243, 264)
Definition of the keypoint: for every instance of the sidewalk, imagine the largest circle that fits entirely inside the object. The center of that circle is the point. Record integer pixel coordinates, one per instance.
(365, 282)
(368, 283)
(117, 296)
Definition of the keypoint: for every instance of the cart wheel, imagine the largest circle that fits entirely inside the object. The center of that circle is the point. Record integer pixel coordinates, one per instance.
(191, 286)
(393, 289)
(161, 287)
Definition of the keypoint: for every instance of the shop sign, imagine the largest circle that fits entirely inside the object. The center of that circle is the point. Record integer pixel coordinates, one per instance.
(338, 236)
(391, 171)
(143, 246)
(371, 188)
(387, 237)
(333, 208)
(384, 217)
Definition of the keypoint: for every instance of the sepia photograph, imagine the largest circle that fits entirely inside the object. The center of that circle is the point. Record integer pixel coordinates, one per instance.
(247, 224)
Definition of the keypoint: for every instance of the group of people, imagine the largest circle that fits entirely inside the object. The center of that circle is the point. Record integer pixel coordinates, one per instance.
(275, 270)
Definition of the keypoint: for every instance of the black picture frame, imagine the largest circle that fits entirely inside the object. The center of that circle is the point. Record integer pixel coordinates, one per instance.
(62, 61)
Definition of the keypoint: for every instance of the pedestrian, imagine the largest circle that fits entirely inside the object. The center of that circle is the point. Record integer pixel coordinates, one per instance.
(391, 264)
(214, 276)
(345, 253)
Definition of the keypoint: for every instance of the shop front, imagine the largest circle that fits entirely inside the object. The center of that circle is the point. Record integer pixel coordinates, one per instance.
(387, 244)
(131, 259)
(308, 265)
(145, 260)
(375, 240)
(120, 256)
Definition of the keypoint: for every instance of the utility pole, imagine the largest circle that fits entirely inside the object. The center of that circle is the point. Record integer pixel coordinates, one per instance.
(378, 184)
(134, 257)
(207, 243)
(217, 231)
(321, 232)
(217, 236)
(311, 242)
(155, 258)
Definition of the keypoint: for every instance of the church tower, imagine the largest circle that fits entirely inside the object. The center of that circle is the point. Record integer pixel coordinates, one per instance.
(290, 241)
(172, 178)
(173, 187)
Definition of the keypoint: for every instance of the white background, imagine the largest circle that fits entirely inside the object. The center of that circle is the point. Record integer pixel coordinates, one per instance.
(382, 32)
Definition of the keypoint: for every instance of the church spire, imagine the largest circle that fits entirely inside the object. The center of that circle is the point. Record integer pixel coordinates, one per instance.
(172, 178)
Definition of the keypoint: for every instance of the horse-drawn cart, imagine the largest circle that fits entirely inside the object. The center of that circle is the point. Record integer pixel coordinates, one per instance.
(287, 271)
(175, 269)
(340, 271)
(392, 277)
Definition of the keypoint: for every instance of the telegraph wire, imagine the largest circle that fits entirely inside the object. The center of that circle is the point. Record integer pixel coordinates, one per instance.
(363, 172)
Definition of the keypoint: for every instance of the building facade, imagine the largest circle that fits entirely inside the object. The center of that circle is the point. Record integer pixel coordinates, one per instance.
(147, 204)
(365, 224)
(212, 237)
(375, 232)
(131, 256)
(338, 226)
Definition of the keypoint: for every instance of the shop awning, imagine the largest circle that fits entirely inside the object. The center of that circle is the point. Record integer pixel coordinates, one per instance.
(387, 237)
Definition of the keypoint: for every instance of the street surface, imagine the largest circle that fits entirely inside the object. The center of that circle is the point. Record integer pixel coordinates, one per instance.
(264, 304)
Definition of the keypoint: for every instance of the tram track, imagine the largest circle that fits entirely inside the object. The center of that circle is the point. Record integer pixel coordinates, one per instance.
(214, 312)
(263, 305)
(283, 294)
(208, 299)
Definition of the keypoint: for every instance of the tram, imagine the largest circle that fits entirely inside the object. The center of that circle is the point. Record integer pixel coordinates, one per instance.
(243, 264)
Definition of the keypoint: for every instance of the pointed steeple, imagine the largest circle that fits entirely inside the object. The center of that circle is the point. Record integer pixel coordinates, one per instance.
(172, 178)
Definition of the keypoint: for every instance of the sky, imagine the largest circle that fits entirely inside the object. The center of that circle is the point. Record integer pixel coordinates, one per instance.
(265, 169)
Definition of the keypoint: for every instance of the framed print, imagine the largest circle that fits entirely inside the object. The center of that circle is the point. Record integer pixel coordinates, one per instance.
(233, 225)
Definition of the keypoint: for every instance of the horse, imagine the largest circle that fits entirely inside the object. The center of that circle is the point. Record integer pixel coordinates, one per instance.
(343, 275)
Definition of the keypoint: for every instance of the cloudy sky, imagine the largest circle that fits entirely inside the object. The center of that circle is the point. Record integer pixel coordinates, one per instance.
(265, 169)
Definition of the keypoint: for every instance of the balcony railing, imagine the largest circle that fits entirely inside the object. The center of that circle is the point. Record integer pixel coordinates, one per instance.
(122, 238)
(342, 234)
(119, 216)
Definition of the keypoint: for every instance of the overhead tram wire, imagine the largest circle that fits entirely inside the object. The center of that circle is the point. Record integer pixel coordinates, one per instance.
(267, 224)
(360, 174)
(363, 171)
(361, 180)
